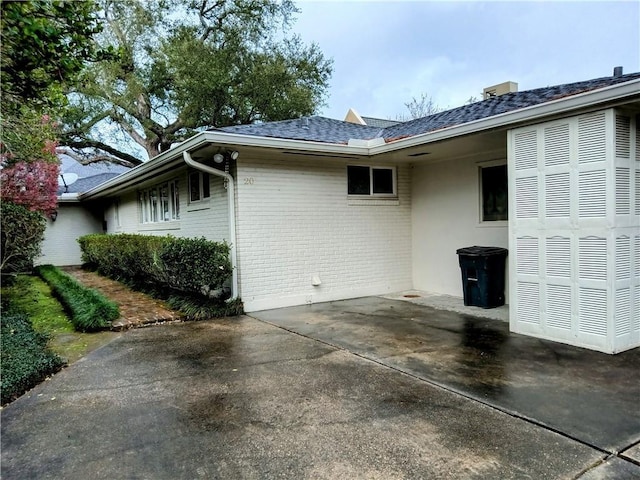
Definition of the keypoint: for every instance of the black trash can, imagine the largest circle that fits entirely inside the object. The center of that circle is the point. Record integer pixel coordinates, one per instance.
(482, 275)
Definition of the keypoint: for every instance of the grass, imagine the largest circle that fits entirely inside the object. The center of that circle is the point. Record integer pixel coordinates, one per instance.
(32, 296)
(89, 310)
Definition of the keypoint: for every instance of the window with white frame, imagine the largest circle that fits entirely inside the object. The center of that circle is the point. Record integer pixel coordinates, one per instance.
(160, 203)
(199, 187)
(372, 181)
(493, 193)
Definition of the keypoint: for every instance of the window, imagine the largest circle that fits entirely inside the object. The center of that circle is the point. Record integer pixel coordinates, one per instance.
(160, 203)
(493, 192)
(199, 186)
(371, 180)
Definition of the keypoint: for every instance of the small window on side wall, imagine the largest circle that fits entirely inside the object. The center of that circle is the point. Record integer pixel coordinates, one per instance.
(199, 188)
(494, 194)
(372, 181)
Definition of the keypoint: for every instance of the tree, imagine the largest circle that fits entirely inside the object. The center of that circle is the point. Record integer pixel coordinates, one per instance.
(45, 45)
(217, 63)
(419, 108)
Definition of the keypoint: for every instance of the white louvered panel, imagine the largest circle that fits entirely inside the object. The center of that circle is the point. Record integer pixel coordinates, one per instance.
(558, 256)
(526, 150)
(623, 191)
(559, 306)
(558, 195)
(636, 309)
(623, 312)
(527, 197)
(592, 139)
(636, 256)
(527, 255)
(623, 258)
(637, 192)
(592, 194)
(528, 302)
(592, 255)
(556, 145)
(593, 311)
(623, 136)
(638, 138)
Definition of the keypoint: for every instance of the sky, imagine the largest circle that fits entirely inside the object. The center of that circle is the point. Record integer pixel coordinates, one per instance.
(387, 52)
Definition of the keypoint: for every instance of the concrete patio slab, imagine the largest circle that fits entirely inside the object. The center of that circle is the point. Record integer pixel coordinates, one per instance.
(243, 399)
(586, 395)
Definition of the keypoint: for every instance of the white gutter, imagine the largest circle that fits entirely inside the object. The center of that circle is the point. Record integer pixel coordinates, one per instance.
(232, 215)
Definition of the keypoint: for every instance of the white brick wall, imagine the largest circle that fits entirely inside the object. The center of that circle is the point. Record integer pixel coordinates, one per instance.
(295, 221)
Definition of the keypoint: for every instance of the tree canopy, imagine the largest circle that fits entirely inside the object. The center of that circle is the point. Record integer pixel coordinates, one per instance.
(45, 45)
(189, 65)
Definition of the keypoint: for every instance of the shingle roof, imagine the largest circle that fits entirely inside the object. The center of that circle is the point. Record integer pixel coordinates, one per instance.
(321, 129)
(313, 129)
(500, 104)
(85, 184)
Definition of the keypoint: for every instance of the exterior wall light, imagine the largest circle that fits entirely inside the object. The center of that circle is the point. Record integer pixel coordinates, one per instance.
(218, 158)
(53, 215)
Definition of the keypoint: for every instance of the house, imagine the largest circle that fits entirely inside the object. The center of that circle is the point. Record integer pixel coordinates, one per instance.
(319, 209)
(72, 218)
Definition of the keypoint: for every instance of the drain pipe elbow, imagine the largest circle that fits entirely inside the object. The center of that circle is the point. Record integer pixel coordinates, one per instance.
(232, 215)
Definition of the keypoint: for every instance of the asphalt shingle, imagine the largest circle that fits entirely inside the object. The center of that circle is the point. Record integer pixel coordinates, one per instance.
(327, 130)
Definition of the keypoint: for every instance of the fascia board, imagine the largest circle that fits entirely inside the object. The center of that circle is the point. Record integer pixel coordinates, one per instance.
(525, 115)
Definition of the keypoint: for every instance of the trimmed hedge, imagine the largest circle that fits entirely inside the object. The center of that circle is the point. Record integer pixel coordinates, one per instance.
(190, 265)
(89, 309)
(26, 360)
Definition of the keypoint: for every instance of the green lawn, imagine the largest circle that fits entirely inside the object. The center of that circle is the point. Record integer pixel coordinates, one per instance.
(32, 295)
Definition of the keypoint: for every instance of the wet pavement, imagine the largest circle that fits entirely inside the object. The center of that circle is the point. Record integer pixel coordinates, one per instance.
(369, 388)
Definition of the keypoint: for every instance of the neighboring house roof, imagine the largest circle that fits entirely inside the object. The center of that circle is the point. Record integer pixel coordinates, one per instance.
(320, 129)
(85, 184)
(88, 176)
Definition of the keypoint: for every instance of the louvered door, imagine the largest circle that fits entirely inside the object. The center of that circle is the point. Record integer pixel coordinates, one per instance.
(574, 186)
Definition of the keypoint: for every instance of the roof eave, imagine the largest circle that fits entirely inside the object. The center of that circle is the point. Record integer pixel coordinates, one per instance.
(201, 139)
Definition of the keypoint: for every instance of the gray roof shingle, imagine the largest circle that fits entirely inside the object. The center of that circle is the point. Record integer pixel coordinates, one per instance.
(321, 129)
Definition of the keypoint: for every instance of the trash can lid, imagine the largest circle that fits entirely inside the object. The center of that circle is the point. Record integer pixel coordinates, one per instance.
(477, 251)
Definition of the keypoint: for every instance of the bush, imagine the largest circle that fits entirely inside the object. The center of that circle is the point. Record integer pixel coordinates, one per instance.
(26, 360)
(190, 265)
(89, 310)
(21, 234)
(197, 307)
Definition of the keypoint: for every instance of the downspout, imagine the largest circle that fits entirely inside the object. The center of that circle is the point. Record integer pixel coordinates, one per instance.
(232, 214)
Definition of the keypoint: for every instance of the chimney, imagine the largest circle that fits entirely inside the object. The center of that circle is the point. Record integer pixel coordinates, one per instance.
(617, 71)
(500, 89)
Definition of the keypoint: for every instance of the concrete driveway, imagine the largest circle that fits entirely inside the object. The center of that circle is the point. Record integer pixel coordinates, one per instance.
(369, 388)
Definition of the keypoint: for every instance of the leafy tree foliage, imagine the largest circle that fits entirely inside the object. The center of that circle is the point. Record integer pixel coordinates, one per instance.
(45, 44)
(189, 65)
(20, 238)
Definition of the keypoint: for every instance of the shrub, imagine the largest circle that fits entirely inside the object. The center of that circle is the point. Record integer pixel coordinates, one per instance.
(89, 310)
(193, 265)
(21, 234)
(26, 360)
(197, 307)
